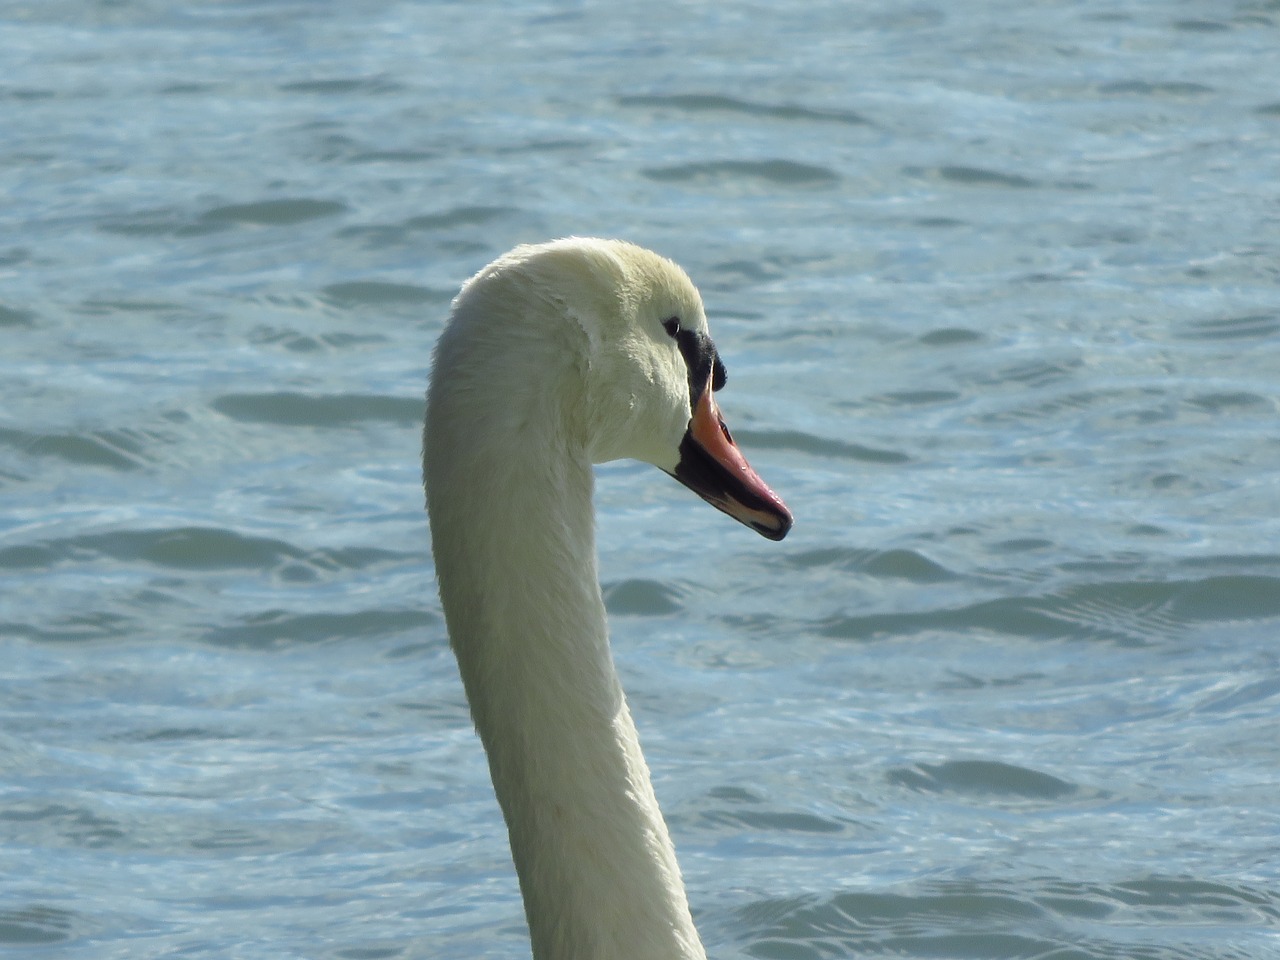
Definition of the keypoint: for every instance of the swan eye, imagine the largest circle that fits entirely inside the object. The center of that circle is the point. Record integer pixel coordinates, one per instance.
(672, 326)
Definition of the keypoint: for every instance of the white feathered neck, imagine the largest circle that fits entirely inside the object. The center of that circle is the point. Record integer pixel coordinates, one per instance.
(550, 362)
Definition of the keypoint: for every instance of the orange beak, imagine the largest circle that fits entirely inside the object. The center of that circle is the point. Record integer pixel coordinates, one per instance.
(712, 466)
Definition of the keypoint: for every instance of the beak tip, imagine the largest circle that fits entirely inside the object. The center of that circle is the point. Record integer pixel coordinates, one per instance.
(778, 531)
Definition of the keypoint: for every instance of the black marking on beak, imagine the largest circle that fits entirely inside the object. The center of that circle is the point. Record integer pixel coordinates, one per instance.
(703, 361)
(727, 491)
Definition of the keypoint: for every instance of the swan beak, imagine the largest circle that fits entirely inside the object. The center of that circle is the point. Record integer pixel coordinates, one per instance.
(712, 466)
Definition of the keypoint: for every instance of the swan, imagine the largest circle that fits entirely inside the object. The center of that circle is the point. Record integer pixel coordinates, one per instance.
(557, 356)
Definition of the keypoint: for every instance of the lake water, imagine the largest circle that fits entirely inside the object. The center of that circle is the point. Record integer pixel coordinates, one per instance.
(998, 288)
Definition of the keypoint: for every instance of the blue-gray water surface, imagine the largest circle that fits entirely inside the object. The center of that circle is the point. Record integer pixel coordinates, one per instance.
(997, 287)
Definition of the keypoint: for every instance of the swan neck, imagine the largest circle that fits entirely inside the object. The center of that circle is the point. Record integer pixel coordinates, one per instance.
(515, 558)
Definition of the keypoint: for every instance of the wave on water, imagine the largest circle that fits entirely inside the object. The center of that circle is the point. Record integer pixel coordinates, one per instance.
(1143, 918)
(1127, 612)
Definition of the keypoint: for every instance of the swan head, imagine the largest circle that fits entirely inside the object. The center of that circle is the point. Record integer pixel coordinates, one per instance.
(620, 336)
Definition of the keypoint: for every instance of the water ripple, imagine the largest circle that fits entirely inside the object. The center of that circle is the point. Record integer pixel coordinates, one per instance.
(1250, 326)
(310, 410)
(819, 446)
(1125, 612)
(13, 317)
(1037, 918)
(893, 564)
(283, 212)
(1168, 89)
(983, 777)
(36, 926)
(785, 173)
(374, 293)
(642, 597)
(188, 548)
(121, 449)
(343, 85)
(708, 103)
(275, 628)
(972, 176)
